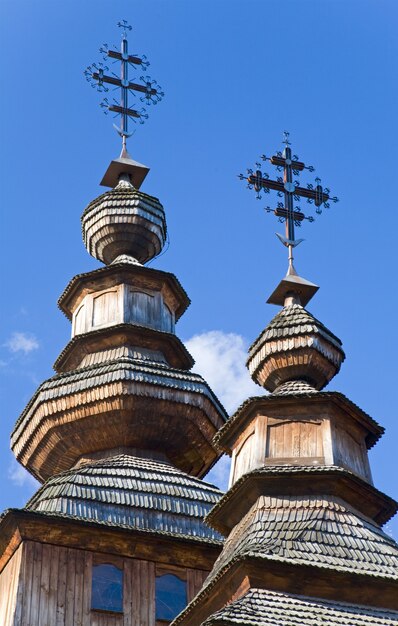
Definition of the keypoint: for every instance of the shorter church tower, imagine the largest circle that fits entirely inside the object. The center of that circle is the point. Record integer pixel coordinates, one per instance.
(301, 519)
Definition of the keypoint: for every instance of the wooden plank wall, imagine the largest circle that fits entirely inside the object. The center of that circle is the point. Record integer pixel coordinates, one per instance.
(195, 580)
(55, 589)
(8, 588)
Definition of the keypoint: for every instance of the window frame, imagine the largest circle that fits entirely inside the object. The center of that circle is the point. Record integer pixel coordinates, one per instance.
(179, 573)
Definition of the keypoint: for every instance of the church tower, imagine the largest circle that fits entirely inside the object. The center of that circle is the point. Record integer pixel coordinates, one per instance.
(122, 434)
(301, 519)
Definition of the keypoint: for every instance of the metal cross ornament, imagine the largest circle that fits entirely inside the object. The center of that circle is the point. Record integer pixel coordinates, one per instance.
(291, 191)
(150, 90)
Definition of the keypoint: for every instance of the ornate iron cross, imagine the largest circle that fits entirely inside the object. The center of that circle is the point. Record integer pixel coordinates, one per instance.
(291, 190)
(96, 75)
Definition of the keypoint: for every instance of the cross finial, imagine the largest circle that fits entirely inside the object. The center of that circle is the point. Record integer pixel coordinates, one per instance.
(125, 25)
(150, 91)
(286, 135)
(291, 191)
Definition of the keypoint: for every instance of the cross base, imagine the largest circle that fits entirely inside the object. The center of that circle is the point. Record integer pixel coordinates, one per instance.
(124, 165)
(293, 284)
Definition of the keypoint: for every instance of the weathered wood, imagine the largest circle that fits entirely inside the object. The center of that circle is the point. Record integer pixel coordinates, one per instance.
(88, 564)
(33, 586)
(11, 591)
(44, 582)
(128, 412)
(123, 335)
(351, 489)
(316, 433)
(195, 580)
(61, 585)
(302, 580)
(112, 541)
(70, 588)
(137, 277)
(53, 585)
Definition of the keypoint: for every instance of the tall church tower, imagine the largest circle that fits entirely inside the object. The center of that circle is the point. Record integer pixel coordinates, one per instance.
(121, 435)
(302, 519)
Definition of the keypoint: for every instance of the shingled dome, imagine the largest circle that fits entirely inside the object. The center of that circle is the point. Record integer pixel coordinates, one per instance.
(295, 346)
(124, 221)
(131, 492)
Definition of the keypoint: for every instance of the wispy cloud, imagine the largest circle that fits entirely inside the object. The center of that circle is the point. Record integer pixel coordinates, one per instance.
(220, 358)
(20, 476)
(22, 342)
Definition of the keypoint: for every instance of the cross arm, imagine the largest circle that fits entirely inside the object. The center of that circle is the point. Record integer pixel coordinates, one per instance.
(317, 194)
(103, 78)
(111, 80)
(259, 182)
(113, 54)
(124, 111)
(281, 162)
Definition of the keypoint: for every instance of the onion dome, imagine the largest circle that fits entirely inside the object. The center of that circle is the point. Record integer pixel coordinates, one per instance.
(124, 221)
(131, 492)
(295, 346)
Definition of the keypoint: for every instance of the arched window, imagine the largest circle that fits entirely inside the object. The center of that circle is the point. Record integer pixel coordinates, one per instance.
(107, 588)
(170, 596)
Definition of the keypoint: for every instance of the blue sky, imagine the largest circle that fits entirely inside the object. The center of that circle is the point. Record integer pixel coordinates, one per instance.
(236, 74)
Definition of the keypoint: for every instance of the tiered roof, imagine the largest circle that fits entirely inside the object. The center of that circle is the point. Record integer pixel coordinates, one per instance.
(261, 607)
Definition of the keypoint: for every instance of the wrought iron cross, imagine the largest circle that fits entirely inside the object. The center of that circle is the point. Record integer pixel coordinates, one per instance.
(291, 190)
(96, 75)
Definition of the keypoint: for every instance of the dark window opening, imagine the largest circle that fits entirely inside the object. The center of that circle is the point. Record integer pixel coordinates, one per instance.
(107, 588)
(171, 597)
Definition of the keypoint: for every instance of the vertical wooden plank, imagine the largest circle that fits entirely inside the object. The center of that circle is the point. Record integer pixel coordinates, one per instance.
(306, 430)
(271, 442)
(9, 586)
(88, 567)
(27, 577)
(44, 583)
(70, 587)
(136, 592)
(61, 586)
(319, 440)
(293, 444)
(327, 432)
(232, 476)
(20, 592)
(127, 592)
(143, 594)
(52, 593)
(151, 593)
(195, 580)
(35, 584)
(259, 442)
(79, 582)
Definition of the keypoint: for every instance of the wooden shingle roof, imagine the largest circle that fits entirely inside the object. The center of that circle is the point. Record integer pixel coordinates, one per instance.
(260, 607)
(314, 531)
(133, 492)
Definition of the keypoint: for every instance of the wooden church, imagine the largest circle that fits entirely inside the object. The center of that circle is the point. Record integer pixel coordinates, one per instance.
(124, 530)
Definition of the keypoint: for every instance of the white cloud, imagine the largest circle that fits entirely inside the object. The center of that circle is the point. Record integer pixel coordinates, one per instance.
(22, 342)
(220, 359)
(20, 476)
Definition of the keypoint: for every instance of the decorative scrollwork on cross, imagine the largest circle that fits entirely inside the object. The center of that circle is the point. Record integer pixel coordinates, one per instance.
(290, 190)
(97, 75)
